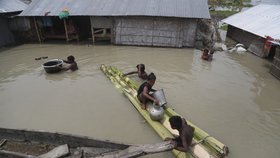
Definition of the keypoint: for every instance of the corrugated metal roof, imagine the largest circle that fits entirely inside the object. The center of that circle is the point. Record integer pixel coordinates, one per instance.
(7, 6)
(163, 8)
(262, 20)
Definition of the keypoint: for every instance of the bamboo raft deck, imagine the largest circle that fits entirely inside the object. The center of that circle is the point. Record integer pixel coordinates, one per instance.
(206, 146)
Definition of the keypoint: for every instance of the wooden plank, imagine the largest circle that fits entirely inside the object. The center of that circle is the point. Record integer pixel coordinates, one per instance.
(140, 150)
(57, 152)
(15, 154)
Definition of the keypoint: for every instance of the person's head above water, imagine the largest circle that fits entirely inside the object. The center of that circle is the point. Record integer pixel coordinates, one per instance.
(141, 67)
(71, 58)
(206, 50)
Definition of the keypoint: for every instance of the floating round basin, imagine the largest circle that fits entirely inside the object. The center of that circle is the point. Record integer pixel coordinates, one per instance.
(53, 65)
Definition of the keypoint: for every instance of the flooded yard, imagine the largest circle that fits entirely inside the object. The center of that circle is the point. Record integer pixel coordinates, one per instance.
(234, 98)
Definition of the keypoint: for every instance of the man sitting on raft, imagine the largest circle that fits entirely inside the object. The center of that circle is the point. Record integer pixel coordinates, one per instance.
(144, 90)
(186, 133)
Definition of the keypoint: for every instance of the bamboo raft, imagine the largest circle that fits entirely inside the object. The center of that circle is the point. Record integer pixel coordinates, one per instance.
(206, 146)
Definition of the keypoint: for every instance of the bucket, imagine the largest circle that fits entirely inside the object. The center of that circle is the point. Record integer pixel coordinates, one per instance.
(159, 95)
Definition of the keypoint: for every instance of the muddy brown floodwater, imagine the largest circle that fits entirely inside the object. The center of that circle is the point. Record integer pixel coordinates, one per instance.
(234, 98)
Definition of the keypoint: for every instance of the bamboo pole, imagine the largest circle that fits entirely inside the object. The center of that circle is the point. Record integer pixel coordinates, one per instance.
(37, 30)
(66, 31)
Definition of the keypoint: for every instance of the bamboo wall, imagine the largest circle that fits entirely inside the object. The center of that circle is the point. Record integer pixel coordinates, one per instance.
(154, 31)
(275, 67)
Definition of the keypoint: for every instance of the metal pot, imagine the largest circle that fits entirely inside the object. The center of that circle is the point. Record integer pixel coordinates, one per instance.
(159, 95)
(53, 65)
(156, 112)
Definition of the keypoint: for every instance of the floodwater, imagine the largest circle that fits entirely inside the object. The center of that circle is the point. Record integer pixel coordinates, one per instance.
(234, 98)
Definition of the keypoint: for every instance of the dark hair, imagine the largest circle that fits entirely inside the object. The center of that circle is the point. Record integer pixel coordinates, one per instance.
(206, 49)
(141, 66)
(71, 58)
(151, 76)
(176, 122)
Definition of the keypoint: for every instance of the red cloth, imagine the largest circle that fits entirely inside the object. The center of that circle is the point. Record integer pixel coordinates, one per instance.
(267, 44)
(268, 40)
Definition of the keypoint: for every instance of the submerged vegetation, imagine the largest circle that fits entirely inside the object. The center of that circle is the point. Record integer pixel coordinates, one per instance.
(224, 27)
(228, 5)
(220, 9)
(224, 3)
(225, 13)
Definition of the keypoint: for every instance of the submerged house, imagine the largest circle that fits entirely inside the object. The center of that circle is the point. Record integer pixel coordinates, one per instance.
(8, 9)
(170, 23)
(257, 28)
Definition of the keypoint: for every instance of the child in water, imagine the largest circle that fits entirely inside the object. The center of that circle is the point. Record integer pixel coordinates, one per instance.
(144, 90)
(70, 64)
(205, 54)
(140, 71)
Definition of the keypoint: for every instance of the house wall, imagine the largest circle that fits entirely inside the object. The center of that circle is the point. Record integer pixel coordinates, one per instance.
(6, 36)
(155, 31)
(252, 42)
(275, 67)
(145, 31)
(19, 24)
(25, 33)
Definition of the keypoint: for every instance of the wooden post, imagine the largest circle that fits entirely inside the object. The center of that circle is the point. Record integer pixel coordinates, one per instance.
(37, 30)
(2, 142)
(66, 31)
(92, 31)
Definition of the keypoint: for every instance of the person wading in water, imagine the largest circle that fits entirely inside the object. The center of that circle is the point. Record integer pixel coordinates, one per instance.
(70, 64)
(140, 71)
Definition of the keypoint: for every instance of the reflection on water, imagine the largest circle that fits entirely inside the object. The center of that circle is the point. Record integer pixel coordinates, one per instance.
(234, 98)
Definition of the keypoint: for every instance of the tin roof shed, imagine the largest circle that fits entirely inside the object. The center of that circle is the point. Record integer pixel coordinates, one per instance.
(160, 8)
(262, 20)
(9, 6)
